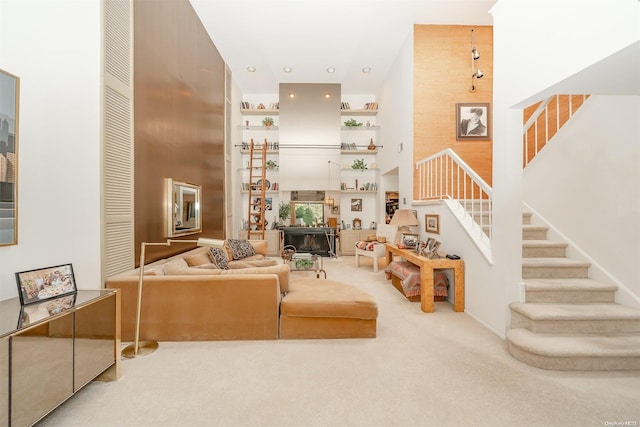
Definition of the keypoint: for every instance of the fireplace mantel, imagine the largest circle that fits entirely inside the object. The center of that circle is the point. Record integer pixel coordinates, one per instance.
(315, 240)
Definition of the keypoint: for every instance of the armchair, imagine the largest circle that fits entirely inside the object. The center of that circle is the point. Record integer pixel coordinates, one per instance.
(376, 250)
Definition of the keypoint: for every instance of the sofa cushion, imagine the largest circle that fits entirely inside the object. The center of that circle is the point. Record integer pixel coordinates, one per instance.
(281, 270)
(249, 262)
(239, 249)
(198, 258)
(157, 270)
(210, 266)
(179, 266)
(219, 257)
(328, 298)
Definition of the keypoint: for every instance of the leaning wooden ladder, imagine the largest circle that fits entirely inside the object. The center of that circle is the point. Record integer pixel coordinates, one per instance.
(257, 182)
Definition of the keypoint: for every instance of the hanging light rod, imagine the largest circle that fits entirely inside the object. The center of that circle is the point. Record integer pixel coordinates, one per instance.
(476, 73)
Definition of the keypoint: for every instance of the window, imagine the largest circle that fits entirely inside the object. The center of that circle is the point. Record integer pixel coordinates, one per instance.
(308, 213)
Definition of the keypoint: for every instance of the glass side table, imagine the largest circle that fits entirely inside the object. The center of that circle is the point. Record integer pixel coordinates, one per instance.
(307, 262)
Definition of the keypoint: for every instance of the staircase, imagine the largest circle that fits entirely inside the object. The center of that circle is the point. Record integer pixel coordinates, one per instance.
(569, 321)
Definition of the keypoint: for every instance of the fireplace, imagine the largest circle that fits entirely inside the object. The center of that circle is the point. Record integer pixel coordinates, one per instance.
(314, 240)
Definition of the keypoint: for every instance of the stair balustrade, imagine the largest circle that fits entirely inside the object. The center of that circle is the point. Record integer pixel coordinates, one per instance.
(543, 120)
(445, 175)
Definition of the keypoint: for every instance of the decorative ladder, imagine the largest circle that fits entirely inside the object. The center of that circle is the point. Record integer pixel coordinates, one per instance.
(257, 181)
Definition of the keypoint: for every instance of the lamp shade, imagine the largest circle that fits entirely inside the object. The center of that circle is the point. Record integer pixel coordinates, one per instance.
(404, 218)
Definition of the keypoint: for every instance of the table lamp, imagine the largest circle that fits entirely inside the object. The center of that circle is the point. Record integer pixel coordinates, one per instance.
(404, 218)
(142, 348)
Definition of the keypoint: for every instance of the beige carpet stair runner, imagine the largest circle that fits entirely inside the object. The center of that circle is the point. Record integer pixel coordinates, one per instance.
(569, 321)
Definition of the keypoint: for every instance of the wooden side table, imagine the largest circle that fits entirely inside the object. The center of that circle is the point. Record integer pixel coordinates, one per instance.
(426, 275)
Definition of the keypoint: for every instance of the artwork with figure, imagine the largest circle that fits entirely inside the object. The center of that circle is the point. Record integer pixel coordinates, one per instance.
(472, 121)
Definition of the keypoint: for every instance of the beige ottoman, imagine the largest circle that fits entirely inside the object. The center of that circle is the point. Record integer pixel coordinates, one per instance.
(327, 309)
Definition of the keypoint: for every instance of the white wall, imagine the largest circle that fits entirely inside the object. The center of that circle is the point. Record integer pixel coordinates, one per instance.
(395, 118)
(54, 47)
(527, 60)
(596, 205)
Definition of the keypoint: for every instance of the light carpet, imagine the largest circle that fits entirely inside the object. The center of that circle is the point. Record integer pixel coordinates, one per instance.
(438, 369)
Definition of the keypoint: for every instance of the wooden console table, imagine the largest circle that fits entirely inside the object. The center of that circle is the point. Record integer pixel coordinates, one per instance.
(426, 275)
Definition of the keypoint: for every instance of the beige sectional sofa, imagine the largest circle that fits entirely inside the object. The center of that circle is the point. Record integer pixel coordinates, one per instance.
(186, 298)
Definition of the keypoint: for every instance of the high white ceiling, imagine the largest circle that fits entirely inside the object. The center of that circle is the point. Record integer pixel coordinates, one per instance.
(312, 35)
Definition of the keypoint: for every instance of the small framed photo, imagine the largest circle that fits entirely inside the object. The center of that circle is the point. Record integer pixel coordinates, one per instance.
(45, 283)
(356, 205)
(409, 240)
(473, 121)
(335, 210)
(432, 223)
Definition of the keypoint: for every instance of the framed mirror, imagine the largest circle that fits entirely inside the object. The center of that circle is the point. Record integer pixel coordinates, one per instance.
(183, 208)
(9, 95)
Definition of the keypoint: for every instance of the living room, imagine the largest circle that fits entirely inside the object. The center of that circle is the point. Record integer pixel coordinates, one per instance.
(60, 133)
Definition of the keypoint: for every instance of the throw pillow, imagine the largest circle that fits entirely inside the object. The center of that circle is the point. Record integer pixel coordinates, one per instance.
(198, 258)
(240, 248)
(219, 258)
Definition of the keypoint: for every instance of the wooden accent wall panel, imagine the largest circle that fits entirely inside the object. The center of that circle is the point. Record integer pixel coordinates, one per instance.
(179, 118)
(442, 78)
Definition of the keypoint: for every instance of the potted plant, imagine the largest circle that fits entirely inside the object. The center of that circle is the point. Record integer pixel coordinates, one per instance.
(352, 123)
(267, 121)
(284, 210)
(271, 165)
(359, 164)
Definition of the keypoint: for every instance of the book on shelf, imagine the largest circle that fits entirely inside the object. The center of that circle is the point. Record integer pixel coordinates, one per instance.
(345, 106)
(371, 106)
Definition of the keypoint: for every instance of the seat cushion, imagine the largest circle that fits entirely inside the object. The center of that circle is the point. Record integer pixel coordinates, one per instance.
(327, 298)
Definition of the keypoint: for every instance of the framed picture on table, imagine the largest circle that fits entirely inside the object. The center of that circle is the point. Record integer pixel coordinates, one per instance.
(45, 283)
(409, 240)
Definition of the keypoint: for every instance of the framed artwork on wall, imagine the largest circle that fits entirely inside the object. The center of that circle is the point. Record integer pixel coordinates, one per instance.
(432, 223)
(356, 205)
(473, 121)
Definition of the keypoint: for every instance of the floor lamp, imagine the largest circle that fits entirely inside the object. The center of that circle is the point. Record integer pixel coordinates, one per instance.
(142, 348)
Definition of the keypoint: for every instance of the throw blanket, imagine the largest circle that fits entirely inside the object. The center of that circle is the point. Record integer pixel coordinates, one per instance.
(409, 275)
(365, 246)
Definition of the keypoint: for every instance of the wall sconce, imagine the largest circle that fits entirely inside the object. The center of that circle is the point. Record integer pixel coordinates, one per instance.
(476, 73)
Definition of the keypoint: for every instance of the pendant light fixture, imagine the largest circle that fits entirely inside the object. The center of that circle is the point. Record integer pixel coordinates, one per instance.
(476, 73)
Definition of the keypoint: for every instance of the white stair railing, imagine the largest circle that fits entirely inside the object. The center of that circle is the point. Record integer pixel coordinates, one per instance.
(545, 121)
(445, 175)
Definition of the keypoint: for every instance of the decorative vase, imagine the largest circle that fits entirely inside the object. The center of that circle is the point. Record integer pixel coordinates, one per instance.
(371, 146)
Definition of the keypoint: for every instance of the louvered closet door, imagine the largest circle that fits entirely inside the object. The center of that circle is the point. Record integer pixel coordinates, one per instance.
(117, 138)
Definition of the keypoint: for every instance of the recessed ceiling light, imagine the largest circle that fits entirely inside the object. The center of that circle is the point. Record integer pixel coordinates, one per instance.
(327, 95)
(251, 69)
(331, 70)
(287, 69)
(292, 95)
(366, 69)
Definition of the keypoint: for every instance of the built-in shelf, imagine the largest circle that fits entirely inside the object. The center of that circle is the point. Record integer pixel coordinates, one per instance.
(358, 112)
(359, 128)
(358, 152)
(259, 150)
(360, 170)
(257, 192)
(259, 112)
(358, 191)
(272, 127)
